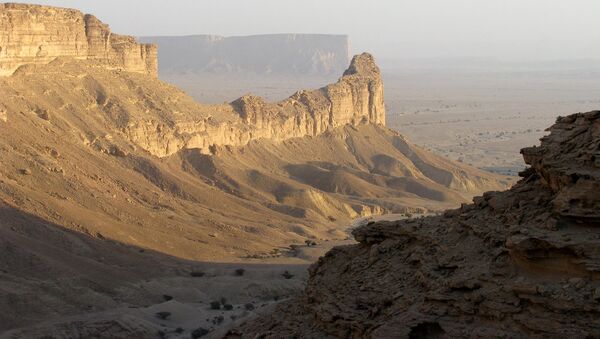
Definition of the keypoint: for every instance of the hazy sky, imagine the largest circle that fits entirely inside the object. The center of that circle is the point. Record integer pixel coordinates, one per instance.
(507, 29)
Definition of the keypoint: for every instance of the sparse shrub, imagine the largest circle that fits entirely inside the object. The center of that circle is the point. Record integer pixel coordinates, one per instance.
(228, 307)
(167, 297)
(197, 274)
(179, 330)
(218, 319)
(199, 332)
(249, 306)
(223, 301)
(287, 275)
(215, 305)
(240, 272)
(310, 243)
(163, 315)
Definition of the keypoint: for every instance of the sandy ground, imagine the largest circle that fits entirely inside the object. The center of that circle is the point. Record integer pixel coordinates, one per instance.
(238, 291)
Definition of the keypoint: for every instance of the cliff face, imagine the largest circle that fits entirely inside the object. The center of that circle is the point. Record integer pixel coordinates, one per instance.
(262, 54)
(356, 98)
(516, 264)
(31, 34)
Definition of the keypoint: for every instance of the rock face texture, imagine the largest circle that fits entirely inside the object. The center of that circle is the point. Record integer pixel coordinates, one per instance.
(32, 34)
(262, 54)
(356, 98)
(516, 264)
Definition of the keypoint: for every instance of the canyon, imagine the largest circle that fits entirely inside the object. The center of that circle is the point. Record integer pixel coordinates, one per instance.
(121, 197)
(520, 263)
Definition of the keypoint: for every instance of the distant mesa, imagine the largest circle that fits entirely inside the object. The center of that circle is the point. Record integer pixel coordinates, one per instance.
(309, 54)
(33, 34)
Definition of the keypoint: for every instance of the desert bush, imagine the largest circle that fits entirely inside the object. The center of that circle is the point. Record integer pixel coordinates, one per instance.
(199, 332)
(228, 307)
(310, 243)
(287, 275)
(167, 297)
(240, 272)
(219, 319)
(215, 305)
(249, 306)
(163, 315)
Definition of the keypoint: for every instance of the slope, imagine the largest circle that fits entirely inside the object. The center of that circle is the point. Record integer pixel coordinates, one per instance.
(521, 263)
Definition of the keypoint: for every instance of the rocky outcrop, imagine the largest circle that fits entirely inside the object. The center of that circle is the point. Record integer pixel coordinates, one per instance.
(32, 34)
(568, 162)
(516, 264)
(262, 54)
(356, 98)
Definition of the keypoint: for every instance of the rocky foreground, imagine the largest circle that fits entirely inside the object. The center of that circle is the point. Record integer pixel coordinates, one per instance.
(514, 264)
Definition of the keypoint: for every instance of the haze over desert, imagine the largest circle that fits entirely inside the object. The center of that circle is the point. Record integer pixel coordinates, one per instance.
(299, 170)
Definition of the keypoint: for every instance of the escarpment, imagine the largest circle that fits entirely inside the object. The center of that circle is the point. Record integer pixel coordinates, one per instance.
(515, 264)
(32, 34)
(356, 98)
(267, 54)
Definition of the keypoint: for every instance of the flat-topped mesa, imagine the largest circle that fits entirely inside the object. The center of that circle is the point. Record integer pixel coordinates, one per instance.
(265, 54)
(34, 34)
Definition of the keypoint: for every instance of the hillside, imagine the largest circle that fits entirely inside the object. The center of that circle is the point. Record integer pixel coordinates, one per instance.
(78, 165)
(521, 263)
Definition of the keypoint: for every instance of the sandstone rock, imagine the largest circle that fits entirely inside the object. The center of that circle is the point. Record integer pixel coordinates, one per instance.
(356, 98)
(32, 34)
(474, 272)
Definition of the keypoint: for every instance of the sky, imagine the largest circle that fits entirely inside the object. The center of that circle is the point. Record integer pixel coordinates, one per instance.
(512, 30)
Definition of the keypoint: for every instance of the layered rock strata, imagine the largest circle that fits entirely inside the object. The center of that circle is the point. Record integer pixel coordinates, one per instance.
(516, 264)
(356, 98)
(32, 34)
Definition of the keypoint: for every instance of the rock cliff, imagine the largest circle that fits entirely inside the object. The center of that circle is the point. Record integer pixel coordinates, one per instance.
(356, 98)
(32, 34)
(516, 264)
(261, 54)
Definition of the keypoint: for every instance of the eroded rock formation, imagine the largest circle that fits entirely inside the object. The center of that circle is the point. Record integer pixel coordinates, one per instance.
(32, 34)
(356, 98)
(516, 264)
